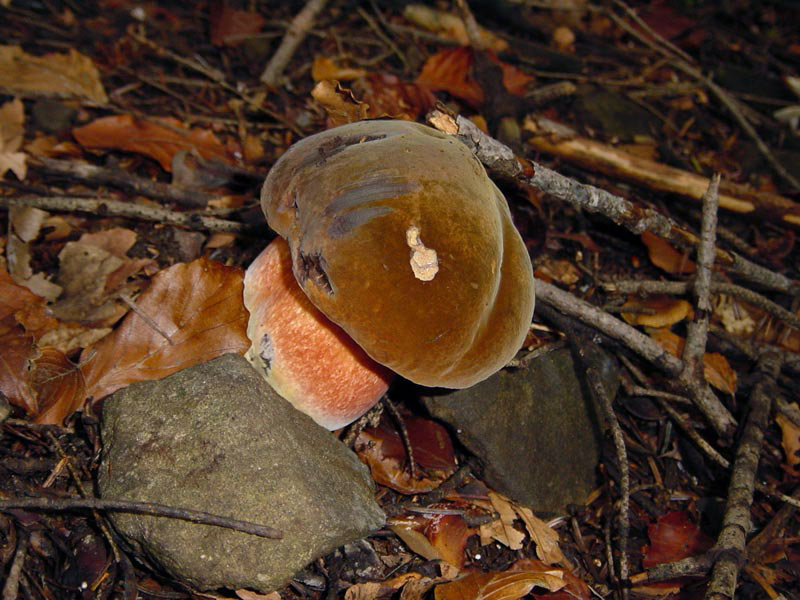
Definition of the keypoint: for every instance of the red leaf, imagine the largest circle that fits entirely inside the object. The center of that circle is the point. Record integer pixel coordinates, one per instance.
(383, 451)
(160, 139)
(230, 26)
(672, 538)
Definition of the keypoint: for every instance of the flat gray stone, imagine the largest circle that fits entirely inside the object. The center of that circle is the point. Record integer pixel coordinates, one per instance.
(534, 430)
(216, 437)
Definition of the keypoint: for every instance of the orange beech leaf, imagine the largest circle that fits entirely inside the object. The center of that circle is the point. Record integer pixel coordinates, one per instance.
(508, 585)
(64, 75)
(672, 538)
(717, 370)
(790, 440)
(197, 305)
(371, 590)
(160, 139)
(449, 71)
(665, 257)
(663, 311)
(434, 536)
(59, 386)
(18, 351)
(326, 68)
(389, 96)
(381, 448)
(229, 26)
(24, 306)
(340, 104)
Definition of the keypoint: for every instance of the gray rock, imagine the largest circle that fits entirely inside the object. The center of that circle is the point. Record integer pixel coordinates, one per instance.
(534, 430)
(217, 438)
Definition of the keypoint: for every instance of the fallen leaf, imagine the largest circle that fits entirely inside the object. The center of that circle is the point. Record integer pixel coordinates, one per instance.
(665, 257)
(25, 223)
(434, 536)
(382, 449)
(389, 96)
(545, 538)
(562, 271)
(15, 359)
(160, 139)
(716, 368)
(673, 537)
(372, 590)
(229, 26)
(508, 585)
(12, 128)
(61, 75)
(326, 68)
(574, 588)
(663, 311)
(449, 70)
(339, 102)
(59, 385)
(790, 440)
(197, 305)
(502, 529)
(25, 307)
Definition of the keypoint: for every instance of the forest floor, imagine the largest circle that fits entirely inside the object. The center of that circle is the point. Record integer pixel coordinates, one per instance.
(135, 136)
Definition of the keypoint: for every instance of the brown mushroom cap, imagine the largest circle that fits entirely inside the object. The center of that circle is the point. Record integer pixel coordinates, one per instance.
(398, 236)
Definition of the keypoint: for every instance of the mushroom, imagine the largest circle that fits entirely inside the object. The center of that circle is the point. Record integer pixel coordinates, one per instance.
(399, 238)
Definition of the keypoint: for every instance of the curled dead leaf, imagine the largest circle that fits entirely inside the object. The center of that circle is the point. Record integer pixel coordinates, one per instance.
(191, 313)
(655, 311)
(382, 449)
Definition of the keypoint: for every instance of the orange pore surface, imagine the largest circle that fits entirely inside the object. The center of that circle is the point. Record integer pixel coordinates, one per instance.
(311, 361)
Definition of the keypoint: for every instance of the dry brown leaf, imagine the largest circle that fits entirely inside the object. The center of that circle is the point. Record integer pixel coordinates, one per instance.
(666, 310)
(562, 271)
(384, 589)
(502, 529)
(665, 257)
(339, 102)
(508, 585)
(245, 594)
(790, 440)
(160, 139)
(449, 70)
(326, 68)
(12, 128)
(546, 538)
(717, 370)
(18, 351)
(230, 26)
(25, 224)
(382, 449)
(59, 385)
(389, 96)
(61, 75)
(198, 305)
(434, 536)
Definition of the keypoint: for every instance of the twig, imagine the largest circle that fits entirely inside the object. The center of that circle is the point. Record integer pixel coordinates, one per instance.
(692, 377)
(680, 62)
(142, 508)
(123, 179)
(719, 416)
(298, 28)
(145, 317)
(403, 430)
(11, 586)
(737, 522)
(116, 208)
(470, 25)
(501, 162)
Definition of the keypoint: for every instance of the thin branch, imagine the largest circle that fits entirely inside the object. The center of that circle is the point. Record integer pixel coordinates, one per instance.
(500, 160)
(737, 521)
(295, 34)
(129, 210)
(142, 508)
(716, 413)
